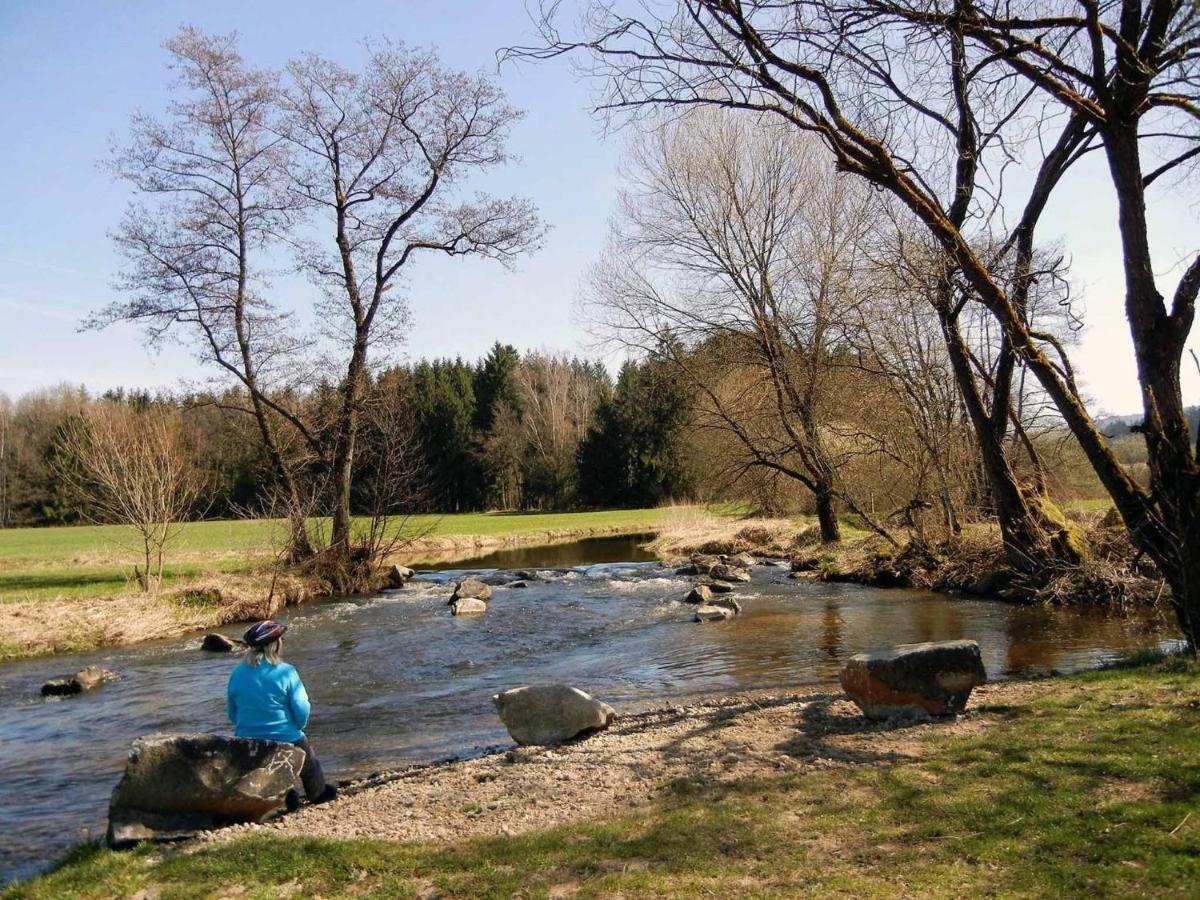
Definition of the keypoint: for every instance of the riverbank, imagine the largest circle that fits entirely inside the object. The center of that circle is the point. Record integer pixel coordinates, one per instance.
(68, 589)
(1111, 575)
(1065, 786)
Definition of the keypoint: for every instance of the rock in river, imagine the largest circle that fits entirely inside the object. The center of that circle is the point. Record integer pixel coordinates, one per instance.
(177, 784)
(550, 713)
(84, 680)
(468, 606)
(218, 643)
(724, 572)
(720, 587)
(700, 594)
(914, 679)
(398, 576)
(471, 587)
(713, 613)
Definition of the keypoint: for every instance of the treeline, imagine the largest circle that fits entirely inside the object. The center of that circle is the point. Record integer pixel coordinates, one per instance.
(538, 431)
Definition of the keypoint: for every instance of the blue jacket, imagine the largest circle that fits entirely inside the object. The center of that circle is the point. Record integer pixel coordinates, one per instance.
(267, 702)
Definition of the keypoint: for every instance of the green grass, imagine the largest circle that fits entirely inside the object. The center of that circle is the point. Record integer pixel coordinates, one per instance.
(87, 560)
(1087, 791)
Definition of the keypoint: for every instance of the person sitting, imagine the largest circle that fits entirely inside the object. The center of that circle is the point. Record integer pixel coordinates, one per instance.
(266, 700)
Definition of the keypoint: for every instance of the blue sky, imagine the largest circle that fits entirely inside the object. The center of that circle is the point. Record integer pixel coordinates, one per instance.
(73, 71)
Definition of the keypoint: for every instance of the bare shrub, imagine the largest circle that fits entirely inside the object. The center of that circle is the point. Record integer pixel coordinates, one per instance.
(133, 469)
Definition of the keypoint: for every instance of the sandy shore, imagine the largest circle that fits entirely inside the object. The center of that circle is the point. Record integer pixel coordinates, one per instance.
(629, 766)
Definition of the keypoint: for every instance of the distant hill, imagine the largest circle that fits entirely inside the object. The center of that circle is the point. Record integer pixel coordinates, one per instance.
(1115, 426)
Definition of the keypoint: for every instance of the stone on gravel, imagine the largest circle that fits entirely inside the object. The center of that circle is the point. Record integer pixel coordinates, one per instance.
(713, 613)
(84, 680)
(550, 713)
(219, 643)
(914, 680)
(700, 594)
(177, 784)
(398, 576)
(468, 606)
(724, 572)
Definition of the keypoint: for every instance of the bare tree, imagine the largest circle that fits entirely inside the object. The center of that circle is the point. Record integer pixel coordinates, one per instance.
(381, 155)
(741, 261)
(931, 102)
(133, 469)
(559, 398)
(211, 201)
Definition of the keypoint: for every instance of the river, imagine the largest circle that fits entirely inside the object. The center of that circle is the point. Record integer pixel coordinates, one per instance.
(394, 678)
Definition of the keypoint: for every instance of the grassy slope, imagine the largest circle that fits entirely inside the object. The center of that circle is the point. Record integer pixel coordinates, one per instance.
(79, 561)
(1086, 792)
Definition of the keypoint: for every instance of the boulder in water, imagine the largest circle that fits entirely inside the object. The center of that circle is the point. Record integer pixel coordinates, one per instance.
(727, 603)
(741, 561)
(720, 587)
(398, 576)
(708, 613)
(468, 606)
(700, 594)
(914, 680)
(471, 587)
(218, 643)
(550, 713)
(177, 784)
(84, 680)
(725, 572)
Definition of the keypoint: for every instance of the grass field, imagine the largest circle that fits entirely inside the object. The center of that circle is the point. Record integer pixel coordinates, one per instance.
(1085, 790)
(76, 561)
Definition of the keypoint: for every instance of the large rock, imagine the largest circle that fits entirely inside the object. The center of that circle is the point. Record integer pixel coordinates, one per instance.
(550, 713)
(728, 603)
(726, 572)
(471, 587)
(713, 613)
(84, 680)
(932, 679)
(720, 587)
(741, 561)
(699, 595)
(177, 784)
(398, 576)
(468, 606)
(699, 564)
(218, 643)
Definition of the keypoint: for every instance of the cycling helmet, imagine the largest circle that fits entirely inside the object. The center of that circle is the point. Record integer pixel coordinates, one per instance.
(263, 633)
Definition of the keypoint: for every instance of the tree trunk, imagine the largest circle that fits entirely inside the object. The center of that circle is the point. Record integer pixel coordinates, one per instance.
(1033, 541)
(826, 516)
(347, 441)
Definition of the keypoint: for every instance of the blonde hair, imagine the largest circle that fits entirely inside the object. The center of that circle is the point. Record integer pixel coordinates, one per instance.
(269, 652)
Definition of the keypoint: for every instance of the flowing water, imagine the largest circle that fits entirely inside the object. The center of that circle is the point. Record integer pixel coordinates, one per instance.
(394, 678)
